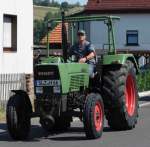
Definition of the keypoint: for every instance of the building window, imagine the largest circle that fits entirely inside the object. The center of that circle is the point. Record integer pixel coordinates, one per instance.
(132, 37)
(9, 33)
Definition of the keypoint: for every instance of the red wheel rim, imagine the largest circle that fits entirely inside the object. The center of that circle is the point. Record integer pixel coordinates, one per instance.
(98, 116)
(130, 95)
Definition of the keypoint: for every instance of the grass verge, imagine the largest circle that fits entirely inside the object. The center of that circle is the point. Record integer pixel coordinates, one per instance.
(2, 115)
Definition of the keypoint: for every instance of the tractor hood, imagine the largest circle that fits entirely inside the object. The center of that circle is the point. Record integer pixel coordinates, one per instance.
(61, 77)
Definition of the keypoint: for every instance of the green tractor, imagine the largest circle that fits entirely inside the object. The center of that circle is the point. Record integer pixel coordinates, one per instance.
(63, 90)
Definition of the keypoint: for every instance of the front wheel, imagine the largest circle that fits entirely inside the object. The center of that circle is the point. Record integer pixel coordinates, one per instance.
(18, 116)
(93, 116)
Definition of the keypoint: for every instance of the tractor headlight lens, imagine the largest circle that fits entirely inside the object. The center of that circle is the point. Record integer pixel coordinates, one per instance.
(39, 90)
(56, 89)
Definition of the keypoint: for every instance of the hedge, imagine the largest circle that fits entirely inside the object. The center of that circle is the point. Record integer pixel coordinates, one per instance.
(143, 81)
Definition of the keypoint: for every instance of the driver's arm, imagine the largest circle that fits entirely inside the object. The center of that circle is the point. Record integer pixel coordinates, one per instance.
(91, 55)
(88, 57)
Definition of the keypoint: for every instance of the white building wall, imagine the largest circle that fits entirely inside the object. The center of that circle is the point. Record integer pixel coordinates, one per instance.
(22, 60)
(1, 39)
(140, 22)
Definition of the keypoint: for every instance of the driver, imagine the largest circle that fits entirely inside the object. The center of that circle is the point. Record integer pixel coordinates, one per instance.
(84, 52)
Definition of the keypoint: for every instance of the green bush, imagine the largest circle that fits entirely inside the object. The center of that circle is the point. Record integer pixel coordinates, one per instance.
(2, 114)
(143, 81)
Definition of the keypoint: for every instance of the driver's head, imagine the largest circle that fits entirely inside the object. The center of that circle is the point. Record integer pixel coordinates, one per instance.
(81, 35)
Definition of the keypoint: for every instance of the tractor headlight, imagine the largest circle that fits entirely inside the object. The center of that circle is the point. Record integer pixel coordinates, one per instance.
(39, 90)
(56, 89)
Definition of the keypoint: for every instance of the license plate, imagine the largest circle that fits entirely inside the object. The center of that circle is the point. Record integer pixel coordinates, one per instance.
(47, 83)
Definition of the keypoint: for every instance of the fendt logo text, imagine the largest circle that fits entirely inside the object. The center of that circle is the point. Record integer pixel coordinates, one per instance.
(45, 73)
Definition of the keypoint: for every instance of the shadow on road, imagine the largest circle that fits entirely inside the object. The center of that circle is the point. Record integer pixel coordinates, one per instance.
(3, 133)
(146, 98)
(80, 135)
(37, 134)
(69, 138)
(3, 127)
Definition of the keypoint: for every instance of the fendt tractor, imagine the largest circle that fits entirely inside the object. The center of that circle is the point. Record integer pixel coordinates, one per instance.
(63, 89)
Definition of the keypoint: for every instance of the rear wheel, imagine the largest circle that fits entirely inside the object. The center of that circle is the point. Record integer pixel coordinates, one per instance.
(18, 116)
(93, 116)
(121, 96)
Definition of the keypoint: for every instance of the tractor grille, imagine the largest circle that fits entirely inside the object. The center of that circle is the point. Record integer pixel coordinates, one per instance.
(76, 82)
(46, 80)
(47, 103)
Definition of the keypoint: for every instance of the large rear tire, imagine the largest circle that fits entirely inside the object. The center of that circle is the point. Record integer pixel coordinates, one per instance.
(18, 116)
(121, 96)
(93, 116)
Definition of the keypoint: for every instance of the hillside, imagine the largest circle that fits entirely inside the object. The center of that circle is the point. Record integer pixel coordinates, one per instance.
(40, 11)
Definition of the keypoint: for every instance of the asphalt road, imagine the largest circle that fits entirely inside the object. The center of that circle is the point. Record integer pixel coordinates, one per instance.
(75, 137)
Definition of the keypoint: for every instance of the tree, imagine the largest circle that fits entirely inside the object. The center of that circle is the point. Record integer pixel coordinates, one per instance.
(45, 3)
(65, 6)
(51, 15)
(39, 31)
(54, 4)
(36, 2)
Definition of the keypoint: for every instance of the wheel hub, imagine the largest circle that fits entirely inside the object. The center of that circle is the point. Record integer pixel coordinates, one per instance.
(98, 117)
(130, 95)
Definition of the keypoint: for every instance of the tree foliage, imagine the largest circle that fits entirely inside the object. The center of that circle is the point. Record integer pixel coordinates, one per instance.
(54, 3)
(65, 6)
(40, 26)
(51, 3)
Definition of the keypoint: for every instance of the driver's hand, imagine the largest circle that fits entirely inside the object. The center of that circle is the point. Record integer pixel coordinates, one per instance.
(82, 60)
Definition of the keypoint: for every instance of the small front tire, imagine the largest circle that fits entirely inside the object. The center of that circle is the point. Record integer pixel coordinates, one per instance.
(93, 116)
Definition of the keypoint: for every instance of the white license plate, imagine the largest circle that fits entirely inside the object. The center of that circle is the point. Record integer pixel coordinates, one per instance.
(47, 83)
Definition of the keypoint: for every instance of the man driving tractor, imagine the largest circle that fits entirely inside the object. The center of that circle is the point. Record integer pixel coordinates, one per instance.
(84, 52)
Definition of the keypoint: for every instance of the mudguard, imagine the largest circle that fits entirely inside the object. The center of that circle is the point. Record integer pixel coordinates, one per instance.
(120, 59)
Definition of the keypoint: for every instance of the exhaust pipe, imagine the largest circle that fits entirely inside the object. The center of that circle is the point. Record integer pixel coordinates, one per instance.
(64, 37)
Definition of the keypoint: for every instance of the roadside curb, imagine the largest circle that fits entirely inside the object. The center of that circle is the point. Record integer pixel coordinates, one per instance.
(144, 94)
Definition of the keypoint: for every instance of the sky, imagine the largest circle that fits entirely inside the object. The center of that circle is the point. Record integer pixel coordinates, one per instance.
(83, 2)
